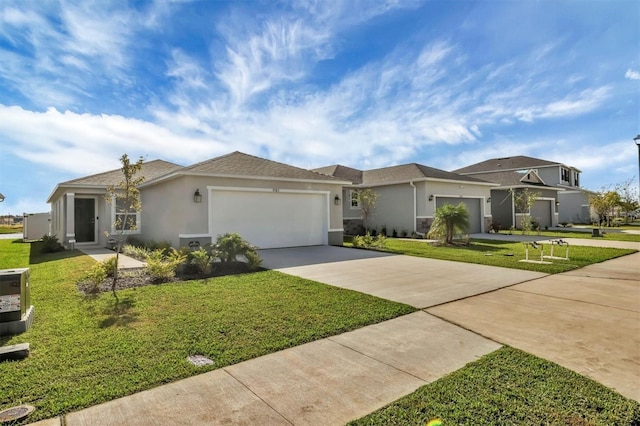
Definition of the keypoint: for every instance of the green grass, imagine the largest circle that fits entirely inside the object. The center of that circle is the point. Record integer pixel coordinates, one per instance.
(10, 229)
(494, 253)
(510, 387)
(611, 234)
(87, 351)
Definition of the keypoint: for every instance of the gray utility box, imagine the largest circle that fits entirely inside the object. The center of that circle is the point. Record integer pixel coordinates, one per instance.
(15, 294)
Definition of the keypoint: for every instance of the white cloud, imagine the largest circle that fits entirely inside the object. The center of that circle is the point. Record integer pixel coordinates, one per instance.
(85, 143)
(632, 75)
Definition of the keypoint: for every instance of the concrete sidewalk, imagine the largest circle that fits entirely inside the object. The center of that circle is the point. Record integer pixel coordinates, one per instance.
(100, 254)
(326, 382)
(587, 320)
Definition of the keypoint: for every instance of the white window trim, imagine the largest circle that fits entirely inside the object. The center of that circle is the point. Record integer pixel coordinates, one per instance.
(115, 231)
(351, 206)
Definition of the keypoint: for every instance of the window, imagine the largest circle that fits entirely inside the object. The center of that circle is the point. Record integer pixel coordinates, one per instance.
(576, 181)
(355, 199)
(125, 217)
(565, 175)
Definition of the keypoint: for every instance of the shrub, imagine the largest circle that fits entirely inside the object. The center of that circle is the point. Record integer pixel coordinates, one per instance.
(253, 260)
(202, 260)
(368, 241)
(94, 278)
(403, 233)
(618, 221)
(50, 244)
(394, 234)
(162, 267)
(137, 252)
(231, 245)
(383, 230)
(109, 266)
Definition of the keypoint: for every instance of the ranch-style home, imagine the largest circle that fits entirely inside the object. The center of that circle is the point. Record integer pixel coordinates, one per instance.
(269, 204)
(561, 198)
(408, 196)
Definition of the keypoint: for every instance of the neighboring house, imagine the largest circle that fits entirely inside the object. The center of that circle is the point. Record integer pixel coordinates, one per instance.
(269, 204)
(408, 196)
(557, 183)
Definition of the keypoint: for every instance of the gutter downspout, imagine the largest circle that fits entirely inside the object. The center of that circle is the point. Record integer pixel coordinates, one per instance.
(415, 206)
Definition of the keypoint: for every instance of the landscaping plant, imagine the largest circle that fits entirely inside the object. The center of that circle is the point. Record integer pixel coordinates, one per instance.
(126, 198)
(449, 221)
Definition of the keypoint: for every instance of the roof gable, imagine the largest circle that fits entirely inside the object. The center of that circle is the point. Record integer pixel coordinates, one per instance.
(343, 172)
(506, 163)
(513, 179)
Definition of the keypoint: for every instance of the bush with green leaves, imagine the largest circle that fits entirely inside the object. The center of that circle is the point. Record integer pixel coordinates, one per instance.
(137, 252)
(230, 246)
(109, 266)
(253, 260)
(50, 244)
(368, 241)
(449, 221)
(162, 267)
(202, 260)
(94, 278)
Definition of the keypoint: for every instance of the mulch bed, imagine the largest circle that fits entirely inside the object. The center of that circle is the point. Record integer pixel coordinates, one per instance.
(133, 278)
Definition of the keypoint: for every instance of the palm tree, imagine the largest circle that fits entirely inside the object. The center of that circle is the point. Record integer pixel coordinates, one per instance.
(449, 220)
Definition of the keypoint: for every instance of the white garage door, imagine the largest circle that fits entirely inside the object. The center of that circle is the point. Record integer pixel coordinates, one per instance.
(270, 219)
(473, 208)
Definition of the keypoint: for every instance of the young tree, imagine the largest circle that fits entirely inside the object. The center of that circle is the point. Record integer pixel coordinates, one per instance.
(603, 204)
(449, 220)
(523, 200)
(628, 197)
(126, 198)
(367, 201)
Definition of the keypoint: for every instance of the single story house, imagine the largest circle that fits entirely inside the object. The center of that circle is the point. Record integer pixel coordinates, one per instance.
(573, 200)
(408, 196)
(269, 204)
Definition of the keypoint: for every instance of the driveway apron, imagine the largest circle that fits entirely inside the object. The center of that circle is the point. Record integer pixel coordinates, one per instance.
(587, 320)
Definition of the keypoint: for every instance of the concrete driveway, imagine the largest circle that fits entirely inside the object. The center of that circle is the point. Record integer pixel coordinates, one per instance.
(587, 320)
(418, 282)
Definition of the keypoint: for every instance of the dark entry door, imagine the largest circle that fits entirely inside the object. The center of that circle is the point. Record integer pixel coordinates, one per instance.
(85, 214)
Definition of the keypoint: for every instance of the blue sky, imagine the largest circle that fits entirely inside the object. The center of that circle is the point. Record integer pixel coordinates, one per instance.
(311, 83)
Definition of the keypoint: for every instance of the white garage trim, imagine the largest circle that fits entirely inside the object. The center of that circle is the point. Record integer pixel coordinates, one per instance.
(317, 225)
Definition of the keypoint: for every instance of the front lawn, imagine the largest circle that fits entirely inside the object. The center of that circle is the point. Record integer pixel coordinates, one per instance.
(505, 254)
(85, 351)
(10, 229)
(611, 234)
(510, 387)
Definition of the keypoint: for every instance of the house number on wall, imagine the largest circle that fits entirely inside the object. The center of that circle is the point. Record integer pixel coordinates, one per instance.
(276, 190)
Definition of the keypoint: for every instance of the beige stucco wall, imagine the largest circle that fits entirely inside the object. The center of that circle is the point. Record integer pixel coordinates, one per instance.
(454, 189)
(168, 208)
(393, 209)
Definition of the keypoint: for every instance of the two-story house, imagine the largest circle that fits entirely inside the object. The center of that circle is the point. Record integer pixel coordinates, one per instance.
(560, 197)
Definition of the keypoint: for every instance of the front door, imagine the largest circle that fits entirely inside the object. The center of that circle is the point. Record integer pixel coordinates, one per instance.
(85, 220)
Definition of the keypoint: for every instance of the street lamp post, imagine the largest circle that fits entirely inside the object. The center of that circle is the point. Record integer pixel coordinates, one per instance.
(637, 141)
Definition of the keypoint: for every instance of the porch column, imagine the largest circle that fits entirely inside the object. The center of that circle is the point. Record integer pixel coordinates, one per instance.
(70, 219)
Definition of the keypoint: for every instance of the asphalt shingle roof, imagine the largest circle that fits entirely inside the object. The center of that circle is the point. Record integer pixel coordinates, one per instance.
(412, 171)
(506, 163)
(241, 164)
(393, 174)
(342, 172)
(150, 170)
(507, 178)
